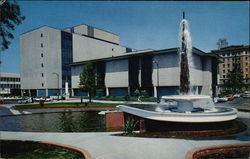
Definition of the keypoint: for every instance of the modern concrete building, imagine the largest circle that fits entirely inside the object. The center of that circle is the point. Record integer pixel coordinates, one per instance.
(51, 56)
(229, 54)
(123, 74)
(46, 54)
(9, 84)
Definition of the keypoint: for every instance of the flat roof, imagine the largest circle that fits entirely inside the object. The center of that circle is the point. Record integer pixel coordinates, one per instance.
(144, 52)
(93, 27)
(232, 47)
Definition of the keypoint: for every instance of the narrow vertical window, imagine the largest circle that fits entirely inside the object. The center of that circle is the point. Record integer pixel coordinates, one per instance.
(41, 54)
(42, 84)
(41, 35)
(41, 44)
(42, 74)
(41, 64)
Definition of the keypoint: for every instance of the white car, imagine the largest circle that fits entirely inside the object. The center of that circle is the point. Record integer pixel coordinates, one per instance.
(25, 100)
(222, 99)
(246, 94)
(43, 99)
(236, 95)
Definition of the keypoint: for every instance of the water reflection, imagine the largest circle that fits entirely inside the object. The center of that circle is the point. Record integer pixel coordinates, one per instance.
(86, 121)
(67, 123)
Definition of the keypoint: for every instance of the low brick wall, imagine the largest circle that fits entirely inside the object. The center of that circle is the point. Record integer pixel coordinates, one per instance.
(114, 120)
(204, 151)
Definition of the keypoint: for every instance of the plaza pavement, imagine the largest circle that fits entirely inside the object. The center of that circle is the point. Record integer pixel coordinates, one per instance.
(107, 146)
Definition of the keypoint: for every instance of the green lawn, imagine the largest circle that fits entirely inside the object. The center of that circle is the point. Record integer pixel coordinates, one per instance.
(31, 150)
(75, 104)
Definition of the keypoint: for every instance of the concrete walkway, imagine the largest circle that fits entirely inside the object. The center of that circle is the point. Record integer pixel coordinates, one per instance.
(106, 146)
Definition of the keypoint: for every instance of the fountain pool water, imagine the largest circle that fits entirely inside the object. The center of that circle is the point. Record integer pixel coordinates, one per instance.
(186, 104)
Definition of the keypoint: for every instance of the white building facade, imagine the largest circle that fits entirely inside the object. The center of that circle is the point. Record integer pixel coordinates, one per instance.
(46, 54)
(123, 74)
(50, 57)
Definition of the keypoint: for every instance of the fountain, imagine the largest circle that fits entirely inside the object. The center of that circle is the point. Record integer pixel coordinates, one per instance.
(184, 108)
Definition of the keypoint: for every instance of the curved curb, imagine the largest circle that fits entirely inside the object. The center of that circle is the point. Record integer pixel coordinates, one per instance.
(203, 151)
(84, 152)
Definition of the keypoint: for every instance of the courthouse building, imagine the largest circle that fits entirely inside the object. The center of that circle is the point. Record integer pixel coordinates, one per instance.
(50, 57)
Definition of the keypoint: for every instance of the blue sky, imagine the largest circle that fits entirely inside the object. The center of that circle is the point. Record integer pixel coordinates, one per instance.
(140, 25)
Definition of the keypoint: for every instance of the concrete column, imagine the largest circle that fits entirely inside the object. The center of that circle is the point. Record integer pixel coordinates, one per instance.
(29, 93)
(155, 91)
(46, 92)
(22, 92)
(72, 92)
(107, 91)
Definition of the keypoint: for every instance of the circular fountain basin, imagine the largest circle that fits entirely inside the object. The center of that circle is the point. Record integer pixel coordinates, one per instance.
(192, 109)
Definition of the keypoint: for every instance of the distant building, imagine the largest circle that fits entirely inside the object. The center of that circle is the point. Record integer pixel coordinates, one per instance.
(48, 53)
(242, 53)
(9, 84)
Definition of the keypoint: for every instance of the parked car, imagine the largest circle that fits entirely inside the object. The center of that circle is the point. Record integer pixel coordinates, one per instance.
(222, 99)
(25, 100)
(246, 94)
(237, 95)
(230, 97)
(44, 99)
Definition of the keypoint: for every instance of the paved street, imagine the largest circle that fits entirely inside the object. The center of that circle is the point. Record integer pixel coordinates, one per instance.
(236, 103)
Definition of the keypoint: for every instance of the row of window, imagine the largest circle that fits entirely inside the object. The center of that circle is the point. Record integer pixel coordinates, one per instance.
(42, 57)
(224, 71)
(10, 79)
(228, 65)
(237, 58)
(10, 86)
(234, 53)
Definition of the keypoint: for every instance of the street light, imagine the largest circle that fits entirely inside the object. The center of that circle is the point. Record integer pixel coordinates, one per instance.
(157, 89)
(57, 84)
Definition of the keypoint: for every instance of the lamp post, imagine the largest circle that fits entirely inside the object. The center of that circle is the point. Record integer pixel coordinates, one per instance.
(57, 85)
(157, 88)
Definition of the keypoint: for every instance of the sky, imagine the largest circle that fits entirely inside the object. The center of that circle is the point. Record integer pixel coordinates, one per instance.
(140, 25)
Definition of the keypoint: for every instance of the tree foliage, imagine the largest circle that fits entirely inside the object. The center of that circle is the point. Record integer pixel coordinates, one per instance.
(10, 17)
(235, 77)
(88, 80)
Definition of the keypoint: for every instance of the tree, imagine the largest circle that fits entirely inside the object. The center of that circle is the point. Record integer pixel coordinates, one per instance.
(235, 77)
(88, 80)
(10, 16)
(222, 42)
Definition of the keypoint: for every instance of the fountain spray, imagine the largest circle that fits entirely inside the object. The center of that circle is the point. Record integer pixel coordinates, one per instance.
(185, 56)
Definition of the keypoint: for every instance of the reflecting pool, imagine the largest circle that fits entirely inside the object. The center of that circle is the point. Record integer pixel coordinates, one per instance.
(86, 121)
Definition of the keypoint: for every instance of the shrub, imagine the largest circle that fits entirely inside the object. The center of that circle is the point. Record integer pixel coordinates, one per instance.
(126, 97)
(137, 92)
(129, 127)
(41, 102)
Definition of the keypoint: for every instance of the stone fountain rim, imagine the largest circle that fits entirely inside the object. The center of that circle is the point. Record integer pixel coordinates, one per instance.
(186, 97)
